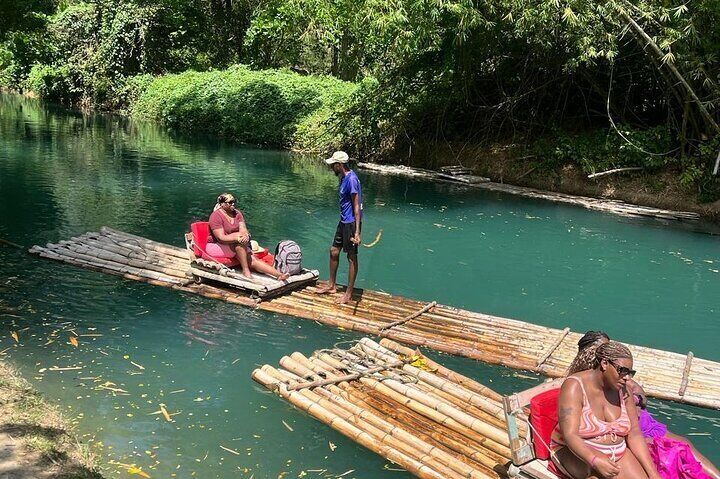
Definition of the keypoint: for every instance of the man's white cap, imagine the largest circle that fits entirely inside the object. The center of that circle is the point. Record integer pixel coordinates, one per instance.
(338, 157)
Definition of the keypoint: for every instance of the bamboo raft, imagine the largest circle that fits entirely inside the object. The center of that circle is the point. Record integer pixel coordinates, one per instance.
(435, 423)
(495, 340)
(617, 207)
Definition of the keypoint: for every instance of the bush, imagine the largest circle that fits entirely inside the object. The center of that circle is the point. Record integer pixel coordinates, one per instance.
(53, 83)
(269, 107)
(600, 150)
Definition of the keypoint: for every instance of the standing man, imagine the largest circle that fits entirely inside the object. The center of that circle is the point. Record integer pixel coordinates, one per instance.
(347, 236)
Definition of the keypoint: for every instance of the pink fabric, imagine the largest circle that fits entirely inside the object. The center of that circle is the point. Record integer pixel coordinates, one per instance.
(675, 460)
(220, 250)
(218, 219)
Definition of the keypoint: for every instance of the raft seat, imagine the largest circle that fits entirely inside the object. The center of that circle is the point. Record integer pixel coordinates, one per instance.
(200, 231)
(537, 408)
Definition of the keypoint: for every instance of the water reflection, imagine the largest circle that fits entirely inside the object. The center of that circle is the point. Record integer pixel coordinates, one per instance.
(62, 174)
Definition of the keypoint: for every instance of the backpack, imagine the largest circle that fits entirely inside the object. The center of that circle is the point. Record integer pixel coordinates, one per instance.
(288, 257)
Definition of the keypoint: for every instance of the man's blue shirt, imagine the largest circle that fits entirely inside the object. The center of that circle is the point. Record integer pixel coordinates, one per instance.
(349, 186)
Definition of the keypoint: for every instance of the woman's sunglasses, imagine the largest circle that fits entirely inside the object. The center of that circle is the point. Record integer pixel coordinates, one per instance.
(623, 371)
(231, 202)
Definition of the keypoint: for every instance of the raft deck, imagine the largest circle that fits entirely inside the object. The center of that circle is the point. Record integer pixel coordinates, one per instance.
(495, 340)
(401, 405)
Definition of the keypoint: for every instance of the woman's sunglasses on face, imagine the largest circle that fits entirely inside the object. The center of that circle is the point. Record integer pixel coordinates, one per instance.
(623, 371)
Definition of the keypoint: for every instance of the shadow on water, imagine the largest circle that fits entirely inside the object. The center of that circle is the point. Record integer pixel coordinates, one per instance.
(62, 174)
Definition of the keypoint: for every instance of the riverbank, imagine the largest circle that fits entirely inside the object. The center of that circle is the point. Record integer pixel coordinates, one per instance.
(210, 103)
(36, 441)
(658, 189)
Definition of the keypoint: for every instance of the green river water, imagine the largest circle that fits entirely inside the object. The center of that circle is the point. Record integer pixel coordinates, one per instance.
(64, 173)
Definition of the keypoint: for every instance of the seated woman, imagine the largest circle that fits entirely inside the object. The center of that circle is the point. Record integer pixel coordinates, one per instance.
(665, 446)
(598, 435)
(230, 238)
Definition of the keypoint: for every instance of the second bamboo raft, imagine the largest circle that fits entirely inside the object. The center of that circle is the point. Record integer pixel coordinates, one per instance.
(433, 422)
(495, 340)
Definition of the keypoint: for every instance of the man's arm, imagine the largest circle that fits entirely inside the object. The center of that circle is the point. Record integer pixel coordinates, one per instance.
(356, 212)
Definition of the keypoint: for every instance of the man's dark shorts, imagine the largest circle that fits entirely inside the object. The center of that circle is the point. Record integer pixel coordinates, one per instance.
(343, 234)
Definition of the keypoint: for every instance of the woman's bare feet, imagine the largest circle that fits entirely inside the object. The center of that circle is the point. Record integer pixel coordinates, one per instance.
(247, 273)
(283, 276)
(327, 289)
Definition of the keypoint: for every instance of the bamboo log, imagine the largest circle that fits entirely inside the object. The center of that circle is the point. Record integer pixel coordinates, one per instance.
(306, 368)
(396, 436)
(553, 347)
(686, 374)
(427, 307)
(490, 407)
(443, 371)
(298, 400)
(494, 439)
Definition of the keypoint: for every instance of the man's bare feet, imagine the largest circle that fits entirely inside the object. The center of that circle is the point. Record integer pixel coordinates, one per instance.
(327, 289)
(345, 298)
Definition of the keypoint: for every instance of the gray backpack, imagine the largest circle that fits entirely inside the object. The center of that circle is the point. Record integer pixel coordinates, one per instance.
(288, 257)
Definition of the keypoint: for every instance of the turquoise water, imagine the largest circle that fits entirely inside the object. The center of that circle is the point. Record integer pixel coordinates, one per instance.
(63, 173)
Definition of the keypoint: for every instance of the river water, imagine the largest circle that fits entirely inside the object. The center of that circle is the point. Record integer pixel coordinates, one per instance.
(63, 173)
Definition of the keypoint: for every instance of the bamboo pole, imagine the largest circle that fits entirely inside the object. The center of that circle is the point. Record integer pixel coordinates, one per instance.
(395, 436)
(298, 400)
(303, 367)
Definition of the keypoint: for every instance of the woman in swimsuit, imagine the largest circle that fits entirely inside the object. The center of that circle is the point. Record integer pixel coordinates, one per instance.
(231, 238)
(598, 435)
(652, 429)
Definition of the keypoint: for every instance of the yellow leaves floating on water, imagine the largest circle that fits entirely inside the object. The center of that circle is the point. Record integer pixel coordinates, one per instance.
(332, 446)
(165, 413)
(132, 469)
(110, 386)
(134, 363)
(15, 336)
(138, 471)
(74, 341)
(232, 451)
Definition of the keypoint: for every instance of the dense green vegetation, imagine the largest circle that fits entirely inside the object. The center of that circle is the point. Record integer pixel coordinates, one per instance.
(597, 84)
(261, 107)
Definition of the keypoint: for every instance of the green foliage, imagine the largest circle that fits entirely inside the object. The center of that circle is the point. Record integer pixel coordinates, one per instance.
(426, 70)
(600, 150)
(60, 84)
(269, 107)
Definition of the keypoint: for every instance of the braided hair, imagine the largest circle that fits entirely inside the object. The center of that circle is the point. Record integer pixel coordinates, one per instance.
(611, 351)
(587, 345)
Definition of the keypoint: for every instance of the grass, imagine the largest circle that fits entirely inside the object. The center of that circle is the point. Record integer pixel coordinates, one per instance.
(45, 435)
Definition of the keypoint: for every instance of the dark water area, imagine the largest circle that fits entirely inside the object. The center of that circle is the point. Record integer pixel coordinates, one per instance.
(64, 173)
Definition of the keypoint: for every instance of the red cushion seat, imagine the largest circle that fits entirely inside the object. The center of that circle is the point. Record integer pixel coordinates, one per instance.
(544, 418)
(201, 235)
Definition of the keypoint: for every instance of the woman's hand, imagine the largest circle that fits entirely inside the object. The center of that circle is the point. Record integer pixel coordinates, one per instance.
(242, 238)
(605, 467)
